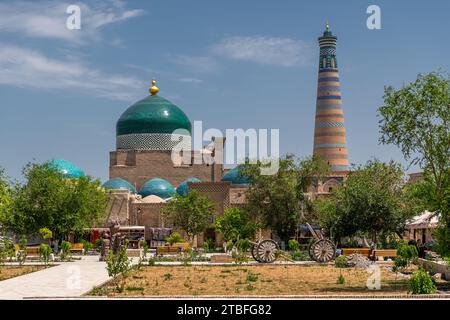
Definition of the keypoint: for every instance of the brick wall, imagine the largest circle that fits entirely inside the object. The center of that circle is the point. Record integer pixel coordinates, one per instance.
(137, 167)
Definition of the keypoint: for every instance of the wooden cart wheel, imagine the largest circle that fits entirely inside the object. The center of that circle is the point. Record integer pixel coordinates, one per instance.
(310, 248)
(254, 251)
(323, 251)
(266, 251)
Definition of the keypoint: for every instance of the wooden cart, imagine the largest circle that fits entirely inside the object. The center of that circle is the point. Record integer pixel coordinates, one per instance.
(321, 249)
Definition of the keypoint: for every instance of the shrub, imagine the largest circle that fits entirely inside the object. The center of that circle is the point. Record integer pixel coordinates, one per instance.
(340, 279)
(98, 244)
(408, 252)
(250, 287)
(22, 254)
(143, 244)
(208, 245)
(243, 245)
(341, 262)
(44, 252)
(175, 237)
(293, 245)
(151, 261)
(87, 246)
(168, 276)
(9, 249)
(65, 250)
(405, 253)
(300, 256)
(118, 263)
(239, 257)
(252, 277)
(421, 283)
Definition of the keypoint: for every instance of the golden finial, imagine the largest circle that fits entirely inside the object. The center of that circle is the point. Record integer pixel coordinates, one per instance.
(153, 89)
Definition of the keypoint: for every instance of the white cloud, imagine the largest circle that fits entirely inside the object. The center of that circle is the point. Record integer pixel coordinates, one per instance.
(265, 50)
(47, 19)
(190, 80)
(197, 64)
(31, 69)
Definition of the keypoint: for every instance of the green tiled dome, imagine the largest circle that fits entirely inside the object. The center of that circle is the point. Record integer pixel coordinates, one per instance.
(235, 176)
(66, 168)
(119, 184)
(158, 187)
(153, 114)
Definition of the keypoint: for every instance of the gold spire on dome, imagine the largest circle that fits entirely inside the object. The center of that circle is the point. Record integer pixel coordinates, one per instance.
(153, 89)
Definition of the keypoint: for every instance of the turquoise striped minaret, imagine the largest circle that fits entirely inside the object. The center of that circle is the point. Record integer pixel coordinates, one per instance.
(329, 135)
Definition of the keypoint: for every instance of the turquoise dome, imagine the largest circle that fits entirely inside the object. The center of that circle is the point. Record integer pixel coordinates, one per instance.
(153, 114)
(235, 177)
(157, 187)
(119, 184)
(183, 188)
(66, 168)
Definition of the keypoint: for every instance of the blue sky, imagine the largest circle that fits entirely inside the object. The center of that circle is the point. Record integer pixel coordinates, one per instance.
(231, 64)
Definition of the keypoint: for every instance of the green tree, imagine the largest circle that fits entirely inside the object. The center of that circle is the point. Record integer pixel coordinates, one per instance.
(45, 252)
(192, 213)
(280, 201)
(47, 199)
(236, 224)
(371, 201)
(416, 119)
(5, 196)
(118, 263)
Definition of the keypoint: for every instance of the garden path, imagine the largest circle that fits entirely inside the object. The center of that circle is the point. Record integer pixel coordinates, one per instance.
(68, 279)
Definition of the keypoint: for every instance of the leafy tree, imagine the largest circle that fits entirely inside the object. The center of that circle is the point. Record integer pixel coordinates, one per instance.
(49, 200)
(192, 213)
(416, 118)
(371, 201)
(280, 201)
(235, 224)
(44, 252)
(405, 254)
(5, 197)
(175, 237)
(118, 263)
(45, 233)
(22, 254)
(65, 250)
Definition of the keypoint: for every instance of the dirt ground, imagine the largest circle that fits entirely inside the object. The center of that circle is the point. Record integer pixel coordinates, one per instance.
(7, 272)
(253, 280)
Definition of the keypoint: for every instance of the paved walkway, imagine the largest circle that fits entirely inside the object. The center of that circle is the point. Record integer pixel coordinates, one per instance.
(68, 279)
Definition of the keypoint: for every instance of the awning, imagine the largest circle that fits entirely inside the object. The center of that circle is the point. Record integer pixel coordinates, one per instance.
(425, 220)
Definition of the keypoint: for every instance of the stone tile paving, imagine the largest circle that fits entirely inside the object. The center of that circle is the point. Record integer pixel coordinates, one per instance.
(68, 279)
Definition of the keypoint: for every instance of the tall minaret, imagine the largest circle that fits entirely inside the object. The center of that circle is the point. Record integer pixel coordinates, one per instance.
(329, 134)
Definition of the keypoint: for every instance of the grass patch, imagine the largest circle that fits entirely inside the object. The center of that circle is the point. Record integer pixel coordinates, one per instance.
(132, 288)
(252, 277)
(168, 276)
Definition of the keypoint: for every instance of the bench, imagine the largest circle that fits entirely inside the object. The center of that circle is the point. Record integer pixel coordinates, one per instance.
(362, 251)
(76, 247)
(174, 248)
(33, 251)
(390, 253)
(221, 258)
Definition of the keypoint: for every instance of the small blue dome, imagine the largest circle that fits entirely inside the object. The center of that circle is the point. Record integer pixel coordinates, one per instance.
(183, 188)
(234, 176)
(119, 184)
(66, 168)
(158, 187)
